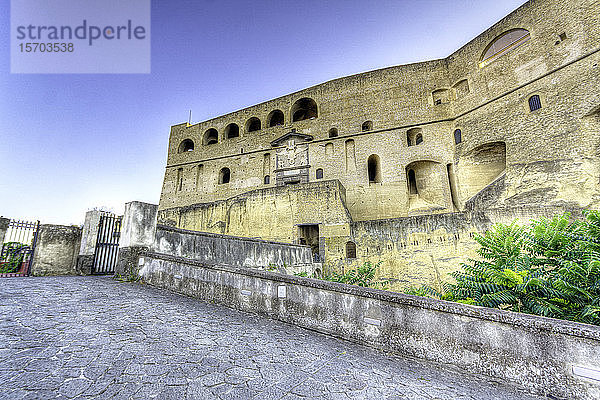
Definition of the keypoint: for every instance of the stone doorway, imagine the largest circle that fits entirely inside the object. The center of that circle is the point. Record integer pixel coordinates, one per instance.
(309, 235)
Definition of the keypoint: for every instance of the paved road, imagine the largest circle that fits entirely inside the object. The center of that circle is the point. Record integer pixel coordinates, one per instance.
(94, 337)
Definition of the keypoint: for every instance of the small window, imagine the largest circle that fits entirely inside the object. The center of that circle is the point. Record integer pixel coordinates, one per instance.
(535, 103)
(414, 136)
(367, 126)
(186, 145)
(211, 136)
(319, 173)
(267, 179)
(333, 132)
(457, 136)
(350, 250)
(224, 176)
(232, 131)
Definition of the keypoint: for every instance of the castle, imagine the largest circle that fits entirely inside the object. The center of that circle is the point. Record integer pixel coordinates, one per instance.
(403, 164)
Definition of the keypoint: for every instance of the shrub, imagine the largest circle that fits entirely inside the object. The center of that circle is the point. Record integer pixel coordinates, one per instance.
(551, 268)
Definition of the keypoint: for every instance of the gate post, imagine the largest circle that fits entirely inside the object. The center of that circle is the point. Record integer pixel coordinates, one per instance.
(89, 234)
(3, 228)
(137, 235)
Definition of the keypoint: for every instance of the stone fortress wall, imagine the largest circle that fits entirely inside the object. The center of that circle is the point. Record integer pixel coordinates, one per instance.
(346, 166)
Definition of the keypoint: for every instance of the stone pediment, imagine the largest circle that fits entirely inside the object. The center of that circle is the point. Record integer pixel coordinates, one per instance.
(291, 135)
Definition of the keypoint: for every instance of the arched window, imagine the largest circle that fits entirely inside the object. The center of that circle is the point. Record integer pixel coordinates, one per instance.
(503, 44)
(253, 124)
(350, 250)
(275, 118)
(319, 173)
(457, 136)
(412, 182)
(232, 131)
(535, 103)
(211, 136)
(367, 126)
(267, 179)
(333, 132)
(374, 168)
(413, 135)
(305, 108)
(224, 176)
(186, 145)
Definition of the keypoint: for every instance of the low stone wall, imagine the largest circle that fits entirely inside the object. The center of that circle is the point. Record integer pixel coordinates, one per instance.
(215, 249)
(56, 250)
(542, 355)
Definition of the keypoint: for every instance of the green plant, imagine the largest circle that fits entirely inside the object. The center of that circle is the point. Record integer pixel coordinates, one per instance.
(13, 256)
(364, 276)
(551, 268)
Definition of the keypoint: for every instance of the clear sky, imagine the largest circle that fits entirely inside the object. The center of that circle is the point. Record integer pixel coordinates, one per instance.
(71, 142)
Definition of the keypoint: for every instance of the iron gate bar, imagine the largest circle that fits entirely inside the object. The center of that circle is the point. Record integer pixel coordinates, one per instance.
(107, 244)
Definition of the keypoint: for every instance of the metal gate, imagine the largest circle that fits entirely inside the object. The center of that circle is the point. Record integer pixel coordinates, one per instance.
(16, 256)
(106, 253)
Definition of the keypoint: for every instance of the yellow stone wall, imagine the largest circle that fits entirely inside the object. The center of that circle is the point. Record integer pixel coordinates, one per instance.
(510, 158)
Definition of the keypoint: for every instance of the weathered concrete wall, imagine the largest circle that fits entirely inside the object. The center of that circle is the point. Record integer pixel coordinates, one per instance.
(138, 231)
(56, 250)
(139, 224)
(214, 249)
(89, 235)
(539, 354)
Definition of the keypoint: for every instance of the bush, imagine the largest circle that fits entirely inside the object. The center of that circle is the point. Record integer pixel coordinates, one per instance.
(364, 276)
(551, 268)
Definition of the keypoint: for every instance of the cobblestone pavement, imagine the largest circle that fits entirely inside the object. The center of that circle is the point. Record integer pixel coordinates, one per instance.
(94, 337)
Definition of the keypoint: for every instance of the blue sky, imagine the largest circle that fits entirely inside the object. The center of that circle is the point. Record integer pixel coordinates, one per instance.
(71, 142)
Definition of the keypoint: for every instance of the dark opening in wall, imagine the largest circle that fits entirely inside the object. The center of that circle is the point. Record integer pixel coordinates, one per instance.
(275, 118)
(232, 131)
(333, 132)
(412, 182)
(224, 175)
(452, 184)
(374, 168)
(211, 136)
(253, 124)
(319, 173)
(414, 136)
(267, 179)
(179, 179)
(367, 126)
(186, 145)
(305, 108)
(199, 173)
(350, 250)
(457, 136)
(535, 103)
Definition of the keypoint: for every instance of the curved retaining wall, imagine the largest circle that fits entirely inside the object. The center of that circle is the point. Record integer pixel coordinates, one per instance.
(543, 355)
